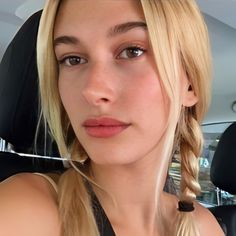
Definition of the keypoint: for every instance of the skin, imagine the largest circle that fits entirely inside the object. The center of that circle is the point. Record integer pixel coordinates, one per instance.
(28, 207)
(99, 76)
(110, 83)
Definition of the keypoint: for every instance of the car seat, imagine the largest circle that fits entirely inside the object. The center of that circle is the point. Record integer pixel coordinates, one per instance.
(19, 110)
(223, 176)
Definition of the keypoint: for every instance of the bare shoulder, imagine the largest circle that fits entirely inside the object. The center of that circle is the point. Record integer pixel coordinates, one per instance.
(28, 206)
(208, 224)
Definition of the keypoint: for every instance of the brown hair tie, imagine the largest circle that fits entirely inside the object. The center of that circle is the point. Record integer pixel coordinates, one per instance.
(185, 206)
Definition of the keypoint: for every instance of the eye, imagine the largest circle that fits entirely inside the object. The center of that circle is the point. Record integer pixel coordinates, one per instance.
(72, 61)
(131, 52)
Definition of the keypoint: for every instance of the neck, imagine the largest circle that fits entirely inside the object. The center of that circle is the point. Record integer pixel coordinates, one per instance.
(134, 194)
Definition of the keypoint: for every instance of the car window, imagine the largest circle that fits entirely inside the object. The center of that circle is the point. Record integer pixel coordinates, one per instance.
(210, 195)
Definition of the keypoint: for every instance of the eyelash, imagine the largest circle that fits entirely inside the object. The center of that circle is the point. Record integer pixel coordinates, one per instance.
(67, 60)
(132, 48)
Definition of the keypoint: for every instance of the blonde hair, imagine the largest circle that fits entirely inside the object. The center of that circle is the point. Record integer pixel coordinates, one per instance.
(180, 43)
(179, 39)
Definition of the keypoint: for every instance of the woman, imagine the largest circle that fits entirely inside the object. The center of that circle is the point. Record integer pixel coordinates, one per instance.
(124, 84)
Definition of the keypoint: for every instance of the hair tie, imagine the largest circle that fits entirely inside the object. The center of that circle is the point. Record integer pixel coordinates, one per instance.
(185, 206)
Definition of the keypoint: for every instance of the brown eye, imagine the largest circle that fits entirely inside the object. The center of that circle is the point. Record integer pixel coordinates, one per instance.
(131, 52)
(73, 61)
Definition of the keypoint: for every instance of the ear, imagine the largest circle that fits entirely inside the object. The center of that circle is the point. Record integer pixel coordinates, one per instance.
(189, 97)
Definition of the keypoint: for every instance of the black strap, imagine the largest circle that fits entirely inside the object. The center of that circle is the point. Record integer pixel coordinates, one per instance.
(103, 223)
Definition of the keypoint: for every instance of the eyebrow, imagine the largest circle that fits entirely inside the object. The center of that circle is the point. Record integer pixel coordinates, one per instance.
(114, 31)
(65, 40)
(123, 28)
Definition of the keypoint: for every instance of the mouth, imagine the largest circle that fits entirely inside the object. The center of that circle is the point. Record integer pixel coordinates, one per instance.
(104, 127)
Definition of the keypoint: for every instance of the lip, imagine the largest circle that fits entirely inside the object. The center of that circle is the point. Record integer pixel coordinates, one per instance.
(104, 127)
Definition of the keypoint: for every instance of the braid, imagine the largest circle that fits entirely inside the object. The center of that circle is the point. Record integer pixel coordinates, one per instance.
(190, 141)
(75, 206)
(190, 149)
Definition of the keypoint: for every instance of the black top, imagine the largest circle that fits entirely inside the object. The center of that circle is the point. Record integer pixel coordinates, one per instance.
(103, 223)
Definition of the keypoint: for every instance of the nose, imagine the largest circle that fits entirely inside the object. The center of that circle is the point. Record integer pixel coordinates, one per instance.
(100, 86)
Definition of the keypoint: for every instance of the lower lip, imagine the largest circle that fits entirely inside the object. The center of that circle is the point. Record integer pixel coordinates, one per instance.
(104, 131)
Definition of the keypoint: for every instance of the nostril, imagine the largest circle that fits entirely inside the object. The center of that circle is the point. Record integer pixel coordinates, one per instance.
(96, 97)
(105, 99)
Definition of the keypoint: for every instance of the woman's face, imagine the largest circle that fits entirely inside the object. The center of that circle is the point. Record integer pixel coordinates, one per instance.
(108, 81)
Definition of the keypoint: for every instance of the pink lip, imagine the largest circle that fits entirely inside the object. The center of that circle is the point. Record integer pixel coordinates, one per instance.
(104, 127)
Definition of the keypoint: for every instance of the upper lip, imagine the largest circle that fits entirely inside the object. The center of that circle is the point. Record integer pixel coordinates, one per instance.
(105, 121)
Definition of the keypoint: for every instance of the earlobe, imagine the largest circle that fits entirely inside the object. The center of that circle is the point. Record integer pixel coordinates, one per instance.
(189, 98)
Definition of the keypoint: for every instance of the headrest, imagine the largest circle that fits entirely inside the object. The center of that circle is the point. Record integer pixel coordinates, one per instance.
(223, 167)
(12, 163)
(19, 87)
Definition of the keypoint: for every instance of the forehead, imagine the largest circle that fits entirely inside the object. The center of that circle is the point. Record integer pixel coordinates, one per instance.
(95, 14)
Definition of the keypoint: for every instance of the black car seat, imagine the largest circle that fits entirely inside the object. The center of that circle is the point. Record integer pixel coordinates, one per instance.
(223, 176)
(19, 110)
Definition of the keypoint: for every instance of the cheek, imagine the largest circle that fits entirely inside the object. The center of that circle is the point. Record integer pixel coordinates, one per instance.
(150, 102)
(67, 94)
(63, 91)
(147, 88)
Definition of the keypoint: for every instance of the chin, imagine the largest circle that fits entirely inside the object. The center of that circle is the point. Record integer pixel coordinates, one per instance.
(113, 159)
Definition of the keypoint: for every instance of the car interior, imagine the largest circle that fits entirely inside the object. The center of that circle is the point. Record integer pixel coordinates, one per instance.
(19, 108)
(22, 151)
(223, 175)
